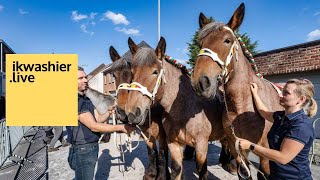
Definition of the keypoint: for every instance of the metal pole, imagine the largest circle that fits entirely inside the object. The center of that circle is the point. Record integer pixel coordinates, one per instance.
(1, 58)
(158, 20)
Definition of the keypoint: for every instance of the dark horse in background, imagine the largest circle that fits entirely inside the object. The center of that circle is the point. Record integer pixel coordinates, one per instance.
(187, 119)
(222, 63)
(158, 159)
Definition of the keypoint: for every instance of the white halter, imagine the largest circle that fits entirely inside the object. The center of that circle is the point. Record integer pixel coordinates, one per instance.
(214, 56)
(138, 87)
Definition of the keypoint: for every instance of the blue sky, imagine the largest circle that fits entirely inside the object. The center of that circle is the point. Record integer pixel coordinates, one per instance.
(89, 28)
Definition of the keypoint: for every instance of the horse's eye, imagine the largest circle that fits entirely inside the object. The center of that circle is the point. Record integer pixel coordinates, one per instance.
(227, 41)
(155, 72)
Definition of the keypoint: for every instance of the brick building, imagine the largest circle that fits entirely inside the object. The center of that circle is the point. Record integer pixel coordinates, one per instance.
(297, 61)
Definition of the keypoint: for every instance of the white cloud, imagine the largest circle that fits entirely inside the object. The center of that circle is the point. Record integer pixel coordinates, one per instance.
(22, 12)
(115, 18)
(185, 50)
(317, 13)
(133, 32)
(1, 8)
(83, 27)
(313, 35)
(92, 15)
(78, 17)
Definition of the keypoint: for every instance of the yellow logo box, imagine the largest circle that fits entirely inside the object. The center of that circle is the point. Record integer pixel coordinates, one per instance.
(41, 90)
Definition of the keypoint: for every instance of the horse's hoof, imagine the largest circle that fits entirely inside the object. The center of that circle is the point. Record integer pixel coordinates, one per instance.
(149, 177)
(231, 169)
(150, 174)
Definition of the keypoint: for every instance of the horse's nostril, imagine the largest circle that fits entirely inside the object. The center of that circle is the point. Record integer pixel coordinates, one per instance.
(131, 117)
(138, 112)
(121, 112)
(204, 83)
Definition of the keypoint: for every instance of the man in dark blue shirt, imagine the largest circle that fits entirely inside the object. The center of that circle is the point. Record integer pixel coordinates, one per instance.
(83, 153)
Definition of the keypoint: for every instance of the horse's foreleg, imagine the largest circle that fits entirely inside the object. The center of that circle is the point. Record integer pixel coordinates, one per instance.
(188, 152)
(201, 159)
(151, 171)
(240, 164)
(176, 160)
(163, 171)
(264, 163)
(225, 155)
(264, 168)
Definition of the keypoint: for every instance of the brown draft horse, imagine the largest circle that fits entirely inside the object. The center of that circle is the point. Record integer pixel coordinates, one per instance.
(213, 68)
(158, 168)
(186, 119)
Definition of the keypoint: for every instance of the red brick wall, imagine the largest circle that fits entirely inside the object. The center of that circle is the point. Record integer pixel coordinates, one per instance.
(298, 58)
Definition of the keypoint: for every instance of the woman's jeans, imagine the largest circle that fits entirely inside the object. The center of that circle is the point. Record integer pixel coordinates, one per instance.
(82, 159)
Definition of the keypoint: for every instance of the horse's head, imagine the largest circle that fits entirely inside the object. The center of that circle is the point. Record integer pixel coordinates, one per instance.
(147, 74)
(120, 69)
(215, 61)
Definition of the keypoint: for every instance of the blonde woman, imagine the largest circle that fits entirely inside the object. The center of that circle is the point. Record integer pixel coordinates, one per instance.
(291, 134)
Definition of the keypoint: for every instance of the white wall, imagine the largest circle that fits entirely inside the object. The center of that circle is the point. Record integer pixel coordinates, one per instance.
(96, 82)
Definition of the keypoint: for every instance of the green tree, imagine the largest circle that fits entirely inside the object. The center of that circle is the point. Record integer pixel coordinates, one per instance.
(194, 48)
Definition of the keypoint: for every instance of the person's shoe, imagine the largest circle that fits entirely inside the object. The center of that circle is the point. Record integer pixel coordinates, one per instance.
(51, 149)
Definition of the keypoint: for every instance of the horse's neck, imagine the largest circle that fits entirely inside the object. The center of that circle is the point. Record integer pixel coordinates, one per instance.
(99, 100)
(176, 82)
(238, 87)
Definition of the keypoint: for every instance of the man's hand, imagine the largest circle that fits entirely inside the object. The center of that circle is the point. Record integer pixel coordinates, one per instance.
(127, 128)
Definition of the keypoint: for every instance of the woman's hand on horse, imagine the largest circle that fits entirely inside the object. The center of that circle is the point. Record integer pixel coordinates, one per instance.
(244, 144)
(254, 88)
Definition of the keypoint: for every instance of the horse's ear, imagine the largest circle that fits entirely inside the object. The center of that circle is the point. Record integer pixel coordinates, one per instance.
(114, 55)
(161, 48)
(203, 20)
(237, 17)
(132, 46)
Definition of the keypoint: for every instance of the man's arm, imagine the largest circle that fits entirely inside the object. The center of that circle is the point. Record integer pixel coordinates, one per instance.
(101, 117)
(88, 120)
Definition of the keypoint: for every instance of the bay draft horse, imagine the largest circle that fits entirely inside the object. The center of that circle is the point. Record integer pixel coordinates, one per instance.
(158, 168)
(187, 119)
(221, 62)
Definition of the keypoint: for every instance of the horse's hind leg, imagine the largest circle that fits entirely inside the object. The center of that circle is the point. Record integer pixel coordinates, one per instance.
(151, 171)
(201, 159)
(176, 160)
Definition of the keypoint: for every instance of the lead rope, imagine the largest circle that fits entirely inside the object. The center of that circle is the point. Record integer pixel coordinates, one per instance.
(128, 145)
(234, 135)
(237, 145)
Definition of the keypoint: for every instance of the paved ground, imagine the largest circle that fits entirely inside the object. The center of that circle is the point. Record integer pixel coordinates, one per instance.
(54, 165)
